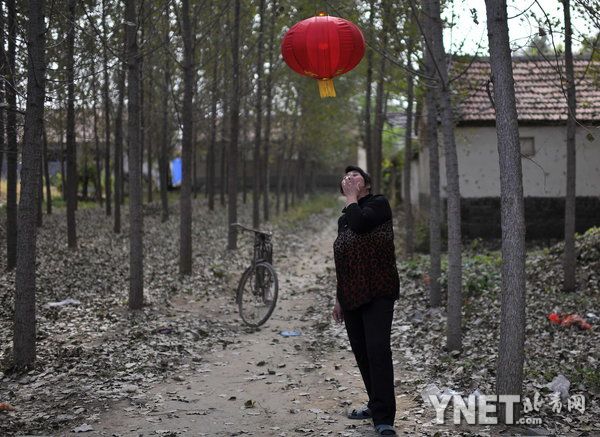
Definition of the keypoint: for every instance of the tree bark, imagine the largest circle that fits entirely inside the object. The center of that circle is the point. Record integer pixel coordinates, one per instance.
(431, 139)
(377, 145)
(509, 376)
(97, 158)
(368, 136)
(223, 151)
(234, 128)
(40, 218)
(4, 74)
(47, 172)
(224, 123)
(244, 151)
(164, 148)
(63, 155)
(85, 150)
(258, 125)
(11, 140)
(118, 160)
(72, 177)
(266, 172)
(185, 200)
(150, 124)
(136, 219)
(142, 105)
(280, 163)
(569, 262)
(409, 247)
(25, 317)
(210, 159)
(454, 332)
(106, 99)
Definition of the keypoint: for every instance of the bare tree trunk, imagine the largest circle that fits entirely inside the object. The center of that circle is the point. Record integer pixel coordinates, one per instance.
(195, 148)
(3, 73)
(259, 114)
(164, 148)
(233, 139)
(368, 136)
(47, 172)
(294, 187)
(136, 219)
(223, 154)
(224, 124)
(25, 318)
(288, 182)
(377, 144)
(435, 238)
(454, 332)
(106, 99)
(11, 140)
(301, 177)
(280, 162)
(266, 173)
(570, 199)
(509, 376)
(40, 218)
(72, 177)
(118, 160)
(151, 127)
(244, 152)
(380, 103)
(185, 201)
(142, 105)
(85, 149)
(63, 156)
(210, 159)
(409, 241)
(98, 179)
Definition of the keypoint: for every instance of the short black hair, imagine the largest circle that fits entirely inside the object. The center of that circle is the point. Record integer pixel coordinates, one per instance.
(366, 176)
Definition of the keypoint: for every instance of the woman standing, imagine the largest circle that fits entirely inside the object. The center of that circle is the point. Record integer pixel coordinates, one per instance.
(367, 286)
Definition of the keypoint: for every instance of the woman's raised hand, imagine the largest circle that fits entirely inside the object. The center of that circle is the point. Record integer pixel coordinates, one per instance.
(350, 186)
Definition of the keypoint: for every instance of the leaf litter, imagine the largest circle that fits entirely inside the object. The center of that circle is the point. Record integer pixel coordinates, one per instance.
(95, 353)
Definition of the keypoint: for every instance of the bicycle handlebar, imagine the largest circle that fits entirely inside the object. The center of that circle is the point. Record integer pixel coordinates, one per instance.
(246, 228)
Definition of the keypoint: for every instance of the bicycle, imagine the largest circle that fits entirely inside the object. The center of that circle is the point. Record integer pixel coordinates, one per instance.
(258, 287)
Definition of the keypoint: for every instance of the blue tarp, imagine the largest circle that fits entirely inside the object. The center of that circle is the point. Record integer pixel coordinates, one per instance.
(176, 172)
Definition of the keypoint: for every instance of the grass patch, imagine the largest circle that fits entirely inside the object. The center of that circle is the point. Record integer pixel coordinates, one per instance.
(312, 205)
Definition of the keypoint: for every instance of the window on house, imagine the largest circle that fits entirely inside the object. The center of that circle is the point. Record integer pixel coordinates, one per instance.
(527, 146)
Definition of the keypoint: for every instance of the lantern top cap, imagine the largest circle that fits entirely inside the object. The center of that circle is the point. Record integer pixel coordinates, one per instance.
(322, 14)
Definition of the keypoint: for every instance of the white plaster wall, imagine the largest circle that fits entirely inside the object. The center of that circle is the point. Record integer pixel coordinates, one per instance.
(362, 157)
(422, 167)
(414, 182)
(543, 176)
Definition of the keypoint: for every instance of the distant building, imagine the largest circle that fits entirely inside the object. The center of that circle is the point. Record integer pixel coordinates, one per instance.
(542, 114)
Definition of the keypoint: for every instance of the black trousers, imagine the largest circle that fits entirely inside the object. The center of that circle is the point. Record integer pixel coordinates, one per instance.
(369, 327)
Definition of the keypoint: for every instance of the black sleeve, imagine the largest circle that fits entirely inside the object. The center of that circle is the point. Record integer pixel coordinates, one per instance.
(365, 218)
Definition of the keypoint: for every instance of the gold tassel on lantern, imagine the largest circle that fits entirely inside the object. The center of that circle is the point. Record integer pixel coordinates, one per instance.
(326, 88)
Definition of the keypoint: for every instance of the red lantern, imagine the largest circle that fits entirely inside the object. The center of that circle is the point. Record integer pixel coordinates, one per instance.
(323, 47)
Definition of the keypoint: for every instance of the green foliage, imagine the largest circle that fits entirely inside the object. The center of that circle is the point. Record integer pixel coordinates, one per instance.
(588, 376)
(481, 272)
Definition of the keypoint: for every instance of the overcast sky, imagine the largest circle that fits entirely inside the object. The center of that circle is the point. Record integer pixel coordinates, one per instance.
(468, 37)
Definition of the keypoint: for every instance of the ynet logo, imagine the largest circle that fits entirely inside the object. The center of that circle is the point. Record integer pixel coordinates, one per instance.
(478, 409)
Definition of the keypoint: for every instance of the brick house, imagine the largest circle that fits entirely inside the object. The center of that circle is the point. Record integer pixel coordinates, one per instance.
(542, 113)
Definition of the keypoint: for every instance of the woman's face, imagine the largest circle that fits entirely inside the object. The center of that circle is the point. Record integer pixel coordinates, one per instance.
(355, 178)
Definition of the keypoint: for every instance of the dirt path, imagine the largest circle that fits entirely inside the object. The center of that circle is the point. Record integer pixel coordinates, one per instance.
(263, 384)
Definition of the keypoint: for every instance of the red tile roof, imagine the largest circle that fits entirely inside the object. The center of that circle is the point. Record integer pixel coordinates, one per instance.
(539, 95)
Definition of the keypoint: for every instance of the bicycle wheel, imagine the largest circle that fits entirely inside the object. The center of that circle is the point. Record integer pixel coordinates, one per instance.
(257, 293)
